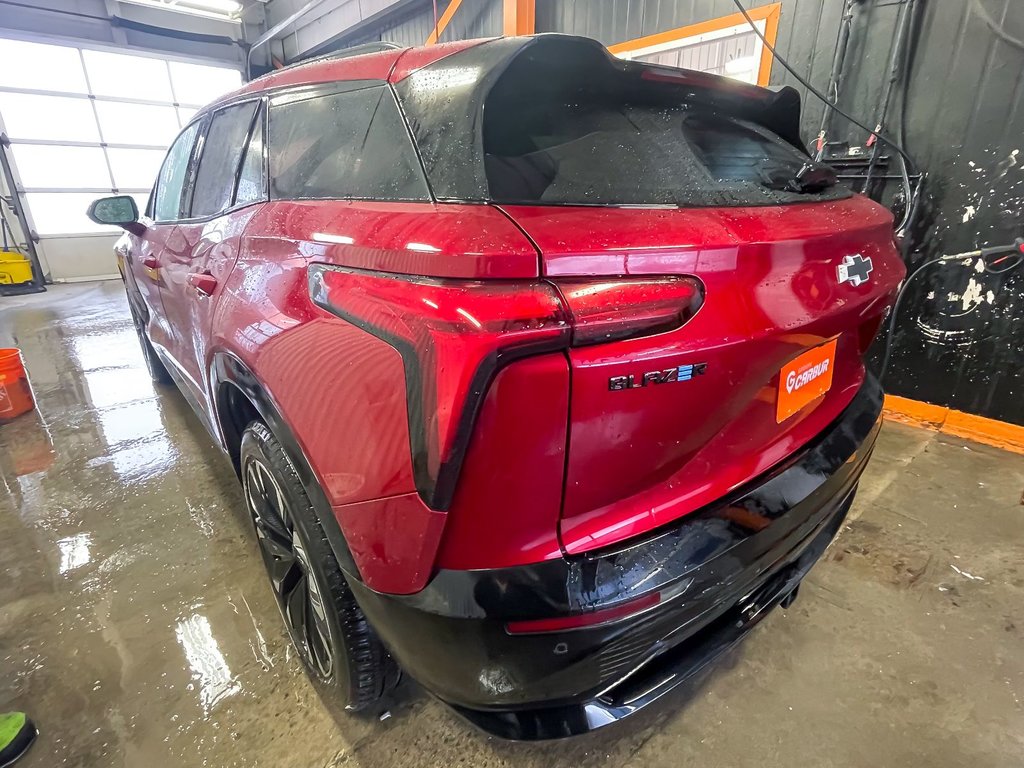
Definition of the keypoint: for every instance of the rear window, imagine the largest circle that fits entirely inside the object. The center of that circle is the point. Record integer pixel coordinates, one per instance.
(605, 151)
(351, 144)
(566, 123)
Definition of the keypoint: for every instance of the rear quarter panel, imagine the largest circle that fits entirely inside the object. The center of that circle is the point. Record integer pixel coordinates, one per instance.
(341, 390)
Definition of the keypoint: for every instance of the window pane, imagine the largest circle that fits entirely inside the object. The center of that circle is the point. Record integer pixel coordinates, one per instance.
(325, 147)
(222, 152)
(48, 117)
(198, 84)
(44, 67)
(172, 176)
(44, 166)
(117, 74)
(136, 123)
(135, 168)
(655, 145)
(252, 180)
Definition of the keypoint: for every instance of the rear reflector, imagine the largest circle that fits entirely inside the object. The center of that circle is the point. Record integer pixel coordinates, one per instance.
(584, 620)
(624, 308)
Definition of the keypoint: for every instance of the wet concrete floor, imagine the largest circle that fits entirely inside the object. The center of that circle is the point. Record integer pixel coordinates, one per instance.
(136, 626)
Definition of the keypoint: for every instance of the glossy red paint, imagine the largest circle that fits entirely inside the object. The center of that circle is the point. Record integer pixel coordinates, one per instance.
(206, 250)
(507, 504)
(142, 271)
(435, 239)
(636, 459)
(392, 65)
(358, 441)
(371, 66)
(417, 58)
(338, 388)
(393, 541)
(643, 457)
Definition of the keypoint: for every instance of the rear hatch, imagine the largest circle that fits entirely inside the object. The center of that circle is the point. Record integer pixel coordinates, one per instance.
(643, 455)
(655, 172)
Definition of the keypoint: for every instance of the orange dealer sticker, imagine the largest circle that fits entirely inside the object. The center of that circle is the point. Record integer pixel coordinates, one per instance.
(805, 379)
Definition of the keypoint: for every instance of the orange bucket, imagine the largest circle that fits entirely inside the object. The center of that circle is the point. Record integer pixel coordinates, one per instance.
(15, 392)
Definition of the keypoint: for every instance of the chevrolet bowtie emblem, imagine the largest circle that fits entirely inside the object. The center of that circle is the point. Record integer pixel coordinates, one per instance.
(855, 269)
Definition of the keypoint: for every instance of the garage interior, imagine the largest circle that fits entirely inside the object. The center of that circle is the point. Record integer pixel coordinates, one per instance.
(136, 626)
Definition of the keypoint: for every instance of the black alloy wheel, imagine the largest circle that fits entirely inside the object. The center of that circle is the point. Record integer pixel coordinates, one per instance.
(295, 586)
(343, 656)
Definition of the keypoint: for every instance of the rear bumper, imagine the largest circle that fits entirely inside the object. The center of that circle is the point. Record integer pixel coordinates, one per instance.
(717, 573)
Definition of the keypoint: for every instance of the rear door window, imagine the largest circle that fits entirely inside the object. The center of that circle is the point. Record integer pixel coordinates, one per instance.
(218, 165)
(352, 144)
(167, 202)
(252, 179)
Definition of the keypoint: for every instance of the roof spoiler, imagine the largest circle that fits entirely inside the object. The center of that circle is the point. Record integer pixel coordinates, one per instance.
(438, 97)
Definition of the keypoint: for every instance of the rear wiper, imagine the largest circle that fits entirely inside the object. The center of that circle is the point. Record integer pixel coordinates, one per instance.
(811, 177)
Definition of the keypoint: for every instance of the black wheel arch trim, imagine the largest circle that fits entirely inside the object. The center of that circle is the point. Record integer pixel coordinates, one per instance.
(228, 370)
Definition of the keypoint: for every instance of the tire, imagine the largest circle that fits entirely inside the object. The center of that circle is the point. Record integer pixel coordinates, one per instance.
(157, 371)
(342, 655)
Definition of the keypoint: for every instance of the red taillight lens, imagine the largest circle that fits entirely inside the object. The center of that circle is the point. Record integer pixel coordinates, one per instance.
(623, 308)
(583, 620)
(453, 336)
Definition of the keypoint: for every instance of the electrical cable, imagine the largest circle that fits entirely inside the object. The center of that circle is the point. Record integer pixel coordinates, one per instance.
(803, 81)
(907, 166)
(996, 28)
(912, 199)
(910, 213)
(896, 308)
(1004, 253)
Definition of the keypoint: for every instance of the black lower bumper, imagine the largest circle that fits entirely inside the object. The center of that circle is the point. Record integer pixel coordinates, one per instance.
(717, 572)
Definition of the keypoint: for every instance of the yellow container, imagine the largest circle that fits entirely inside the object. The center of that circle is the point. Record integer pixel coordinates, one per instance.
(14, 268)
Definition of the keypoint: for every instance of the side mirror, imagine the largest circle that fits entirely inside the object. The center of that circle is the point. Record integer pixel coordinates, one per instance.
(118, 211)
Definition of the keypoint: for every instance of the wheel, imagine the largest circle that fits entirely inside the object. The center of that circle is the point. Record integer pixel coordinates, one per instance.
(155, 366)
(341, 653)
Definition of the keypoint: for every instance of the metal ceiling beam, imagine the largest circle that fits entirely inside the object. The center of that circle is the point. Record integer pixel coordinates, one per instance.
(271, 33)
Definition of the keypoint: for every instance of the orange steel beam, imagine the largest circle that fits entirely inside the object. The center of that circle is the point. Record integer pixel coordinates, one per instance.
(442, 22)
(769, 14)
(520, 17)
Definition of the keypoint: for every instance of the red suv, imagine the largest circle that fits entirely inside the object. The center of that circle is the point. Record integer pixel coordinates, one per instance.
(541, 370)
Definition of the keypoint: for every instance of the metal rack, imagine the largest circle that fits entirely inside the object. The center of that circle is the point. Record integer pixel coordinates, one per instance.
(12, 204)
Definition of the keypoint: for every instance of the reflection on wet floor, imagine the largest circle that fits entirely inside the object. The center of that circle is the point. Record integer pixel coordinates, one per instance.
(74, 551)
(210, 670)
(133, 596)
(137, 628)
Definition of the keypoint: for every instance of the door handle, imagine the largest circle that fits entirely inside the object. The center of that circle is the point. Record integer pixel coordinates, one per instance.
(203, 282)
(151, 262)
